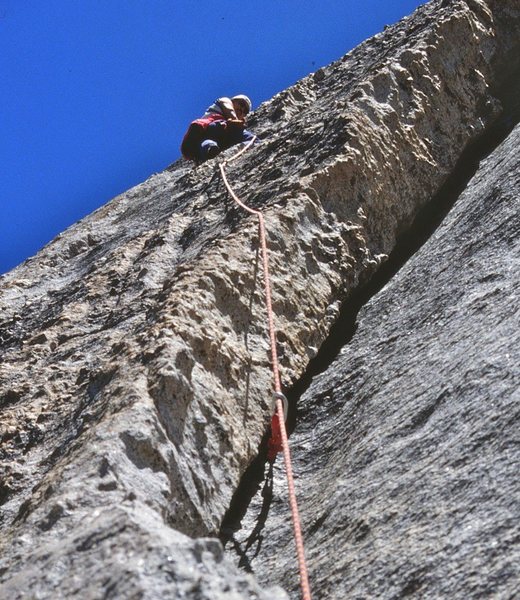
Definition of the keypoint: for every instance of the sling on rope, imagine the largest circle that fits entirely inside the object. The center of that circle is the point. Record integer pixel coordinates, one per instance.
(278, 440)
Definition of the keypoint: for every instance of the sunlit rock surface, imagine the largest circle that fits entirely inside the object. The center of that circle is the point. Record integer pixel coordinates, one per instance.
(135, 381)
(407, 446)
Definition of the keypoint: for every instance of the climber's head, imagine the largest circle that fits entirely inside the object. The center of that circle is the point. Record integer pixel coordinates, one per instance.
(242, 105)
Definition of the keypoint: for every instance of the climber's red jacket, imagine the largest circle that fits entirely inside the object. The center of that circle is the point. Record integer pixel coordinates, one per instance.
(197, 133)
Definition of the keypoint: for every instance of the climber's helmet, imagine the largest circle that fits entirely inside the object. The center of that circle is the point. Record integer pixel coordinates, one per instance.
(242, 103)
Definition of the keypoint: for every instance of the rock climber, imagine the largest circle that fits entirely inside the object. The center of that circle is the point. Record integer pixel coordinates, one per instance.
(221, 126)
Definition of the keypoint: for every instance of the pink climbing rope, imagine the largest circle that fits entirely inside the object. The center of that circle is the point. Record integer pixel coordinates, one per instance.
(278, 419)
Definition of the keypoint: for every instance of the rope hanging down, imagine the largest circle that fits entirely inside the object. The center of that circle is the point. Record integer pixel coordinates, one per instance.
(278, 439)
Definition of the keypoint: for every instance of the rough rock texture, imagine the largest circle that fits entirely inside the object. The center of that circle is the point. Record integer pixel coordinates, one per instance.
(135, 382)
(407, 446)
(119, 553)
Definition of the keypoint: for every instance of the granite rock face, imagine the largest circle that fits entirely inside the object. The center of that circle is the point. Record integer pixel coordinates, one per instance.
(135, 381)
(407, 446)
(119, 553)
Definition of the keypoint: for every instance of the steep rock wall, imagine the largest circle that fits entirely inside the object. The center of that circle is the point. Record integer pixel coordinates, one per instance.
(135, 369)
(407, 446)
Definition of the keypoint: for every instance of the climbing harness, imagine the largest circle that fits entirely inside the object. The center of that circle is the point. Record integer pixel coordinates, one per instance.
(278, 441)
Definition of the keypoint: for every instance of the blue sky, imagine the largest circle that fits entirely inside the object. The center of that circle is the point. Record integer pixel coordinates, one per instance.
(96, 94)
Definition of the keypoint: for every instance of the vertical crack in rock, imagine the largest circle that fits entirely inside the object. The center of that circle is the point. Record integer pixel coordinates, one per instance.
(257, 477)
(407, 447)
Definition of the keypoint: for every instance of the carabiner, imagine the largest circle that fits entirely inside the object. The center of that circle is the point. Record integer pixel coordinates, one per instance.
(285, 402)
